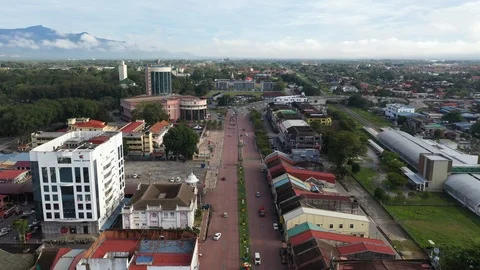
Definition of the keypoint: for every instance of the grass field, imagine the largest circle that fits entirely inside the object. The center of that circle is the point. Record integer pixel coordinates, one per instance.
(235, 93)
(365, 178)
(373, 118)
(446, 226)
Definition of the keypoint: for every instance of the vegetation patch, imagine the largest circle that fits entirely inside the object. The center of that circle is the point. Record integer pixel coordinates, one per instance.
(243, 232)
(373, 118)
(365, 177)
(448, 226)
(261, 136)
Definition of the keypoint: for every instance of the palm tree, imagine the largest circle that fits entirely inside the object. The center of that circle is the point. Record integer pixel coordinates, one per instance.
(21, 227)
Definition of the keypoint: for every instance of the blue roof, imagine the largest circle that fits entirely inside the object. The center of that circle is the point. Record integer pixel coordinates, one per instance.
(144, 259)
(281, 182)
(463, 124)
(15, 157)
(408, 114)
(167, 246)
(113, 217)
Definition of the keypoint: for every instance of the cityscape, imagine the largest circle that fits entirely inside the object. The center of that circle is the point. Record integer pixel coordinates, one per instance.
(222, 135)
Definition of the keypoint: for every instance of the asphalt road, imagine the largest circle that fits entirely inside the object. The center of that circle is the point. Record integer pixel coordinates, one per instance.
(264, 239)
(223, 254)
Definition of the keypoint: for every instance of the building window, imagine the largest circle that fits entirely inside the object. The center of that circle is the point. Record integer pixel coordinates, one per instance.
(351, 226)
(54, 189)
(55, 206)
(64, 160)
(80, 206)
(57, 215)
(87, 198)
(89, 215)
(86, 176)
(87, 188)
(88, 206)
(47, 197)
(79, 198)
(165, 214)
(79, 188)
(331, 226)
(65, 175)
(48, 206)
(46, 188)
(81, 215)
(78, 176)
(44, 175)
(49, 215)
(55, 198)
(154, 215)
(172, 214)
(340, 226)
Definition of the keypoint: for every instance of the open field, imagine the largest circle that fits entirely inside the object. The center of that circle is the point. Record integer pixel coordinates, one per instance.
(444, 225)
(235, 93)
(373, 118)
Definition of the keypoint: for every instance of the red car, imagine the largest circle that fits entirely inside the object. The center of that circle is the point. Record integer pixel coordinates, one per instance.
(223, 178)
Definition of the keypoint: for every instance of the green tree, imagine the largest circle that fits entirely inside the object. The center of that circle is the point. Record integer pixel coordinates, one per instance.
(396, 180)
(358, 101)
(453, 117)
(391, 161)
(181, 140)
(204, 87)
(475, 130)
(344, 145)
(279, 86)
(465, 257)
(21, 227)
(381, 195)
(355, 168)
(151, 112)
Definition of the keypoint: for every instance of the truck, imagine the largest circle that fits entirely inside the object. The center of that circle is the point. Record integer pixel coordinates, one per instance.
(261, 211)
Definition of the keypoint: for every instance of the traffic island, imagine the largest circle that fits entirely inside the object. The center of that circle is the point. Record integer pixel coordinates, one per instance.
(243, 232)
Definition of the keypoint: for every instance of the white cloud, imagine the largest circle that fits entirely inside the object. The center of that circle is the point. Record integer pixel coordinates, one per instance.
(61, 44)
(21, 42)
(366, 48)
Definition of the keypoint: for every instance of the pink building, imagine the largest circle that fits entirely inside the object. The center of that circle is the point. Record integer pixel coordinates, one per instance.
(188, 108)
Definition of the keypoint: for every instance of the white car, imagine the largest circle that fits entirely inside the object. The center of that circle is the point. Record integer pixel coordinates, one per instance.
(217, 236)
(275, 226)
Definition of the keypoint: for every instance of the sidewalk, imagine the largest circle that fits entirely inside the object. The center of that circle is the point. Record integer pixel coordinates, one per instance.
(214, 162)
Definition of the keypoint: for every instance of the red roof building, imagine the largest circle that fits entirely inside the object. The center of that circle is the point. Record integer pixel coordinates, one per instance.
(140, 249)
(366, 251)
(159, 126)
(279, 163)
(333, 238)
(136, 126)
(13, 176)
(22, 165)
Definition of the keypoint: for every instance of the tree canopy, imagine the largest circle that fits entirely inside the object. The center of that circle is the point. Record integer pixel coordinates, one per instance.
(181, 140)
(342, 146)
(453, 117)
(151, 112)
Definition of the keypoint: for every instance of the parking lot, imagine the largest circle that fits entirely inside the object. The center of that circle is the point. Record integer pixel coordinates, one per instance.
(162, 171)
(7, 223)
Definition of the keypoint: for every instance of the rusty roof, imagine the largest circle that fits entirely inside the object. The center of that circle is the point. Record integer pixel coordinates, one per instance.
(168, 196)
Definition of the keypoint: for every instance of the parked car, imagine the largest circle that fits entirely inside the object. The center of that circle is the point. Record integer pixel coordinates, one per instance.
(223, 178)
(217, 236)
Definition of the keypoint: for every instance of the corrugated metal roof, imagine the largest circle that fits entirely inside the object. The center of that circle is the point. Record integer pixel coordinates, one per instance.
(466, 189)
(66, 260)
(306, 226)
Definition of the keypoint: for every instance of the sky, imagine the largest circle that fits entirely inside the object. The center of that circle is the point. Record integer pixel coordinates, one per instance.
(323, 29)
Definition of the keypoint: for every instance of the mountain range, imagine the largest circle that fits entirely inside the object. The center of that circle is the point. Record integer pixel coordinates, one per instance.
(39, 42)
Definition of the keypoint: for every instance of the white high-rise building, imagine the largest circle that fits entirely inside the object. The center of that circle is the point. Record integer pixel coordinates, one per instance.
(78, 181)
(122, 71)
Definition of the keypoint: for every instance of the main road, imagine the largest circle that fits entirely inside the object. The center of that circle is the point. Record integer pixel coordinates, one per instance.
(223, 254)
(264, 239)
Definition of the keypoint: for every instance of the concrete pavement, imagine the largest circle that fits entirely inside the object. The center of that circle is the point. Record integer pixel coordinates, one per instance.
(263, 238)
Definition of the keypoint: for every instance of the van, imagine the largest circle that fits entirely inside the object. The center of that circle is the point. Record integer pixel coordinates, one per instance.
(258, 261)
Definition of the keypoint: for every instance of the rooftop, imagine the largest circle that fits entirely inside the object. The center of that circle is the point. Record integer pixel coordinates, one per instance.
(157, 127)
(76, 140)
(330, 236)
(364, 247)
(168, 196)
(90, 123)
(11, 174)
(326, 213)
(133, 126)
